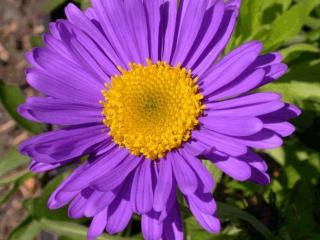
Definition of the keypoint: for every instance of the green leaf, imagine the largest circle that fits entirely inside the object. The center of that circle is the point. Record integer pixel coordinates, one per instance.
(215, 172)
(14, 187)
(11, 97)
(28, 229)
(300, 220)
(83, 3)
(231, 212)
(300, 86)
(295, 50)
(194, 231)
(38, 208)
(289, 23)
(11, 160)
(36, 41)
(302, 94)
(250, 18)
(51, 5)
(298, 162)
(71, 230)
(12, 177)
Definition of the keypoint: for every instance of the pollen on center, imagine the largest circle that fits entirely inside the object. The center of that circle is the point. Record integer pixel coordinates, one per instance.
(152, 109)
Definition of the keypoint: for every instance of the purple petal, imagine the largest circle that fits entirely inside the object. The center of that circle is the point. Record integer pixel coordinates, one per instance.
(57, 87)
(56, 111)
(173, 228)
(137, 20)
(151, 226)
(229, 69)
(54, 45)
(284, 114)
(97, 225)
(144, 190)
(190, 25)
(64, 144)
(60, 197)
(112, 179)
(244, 83)
(199, 169)
(221, 38)
(259, 177)
(233, 167)
(98, 168)
(120, 211)
(265, 139)
(76, 17)
(233, 126)
(153, 14)
(170, 202)
(164, 185)
(220, 142)
(249, 110)
(86, 52)
(99, 201)
(196, 147)
(284, 129)
(207, 221)
(38, 167)
(254, 160)
(209, 27)
(203, 201)
(79, 203)
(170, 23)
(247, 100)
(185, 176)
(274, 72)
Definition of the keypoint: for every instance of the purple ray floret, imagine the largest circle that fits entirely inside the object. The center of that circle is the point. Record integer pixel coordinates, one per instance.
(84, 54)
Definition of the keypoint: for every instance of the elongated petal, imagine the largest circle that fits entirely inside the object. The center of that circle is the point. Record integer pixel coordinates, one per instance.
(228, 70)
(114, 178)
(76, 17)
(203, 201)
(244, 83)
(190, 25)
(247, 100)
(209, 222)
(164, 185)
(200, 169)
(235, 168)
(95, 170)
(284, 129)
(221, 38)
(61, 112)
(249, 110)
(233, 126)
(97, 225)
(209, 27)
(138, 21)
(144, 194)
(221, 142)
(153, 8)
(173, 228)
(185, 176)
(64, 144)
(151, 226)
(120, 211)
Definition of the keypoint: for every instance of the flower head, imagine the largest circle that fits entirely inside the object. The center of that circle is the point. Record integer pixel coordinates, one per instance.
(139, 88)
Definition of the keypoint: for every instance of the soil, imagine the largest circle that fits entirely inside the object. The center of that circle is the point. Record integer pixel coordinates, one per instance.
(20, 21)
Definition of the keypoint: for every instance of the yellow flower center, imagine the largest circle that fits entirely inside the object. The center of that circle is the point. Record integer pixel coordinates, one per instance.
(152, 109)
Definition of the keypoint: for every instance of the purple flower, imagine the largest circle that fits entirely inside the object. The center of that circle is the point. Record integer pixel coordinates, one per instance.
(139, 88)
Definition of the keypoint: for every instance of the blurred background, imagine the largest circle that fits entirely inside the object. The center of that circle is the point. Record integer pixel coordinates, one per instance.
(289, 208)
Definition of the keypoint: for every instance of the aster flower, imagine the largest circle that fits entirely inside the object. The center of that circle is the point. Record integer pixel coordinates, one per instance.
(140, 88)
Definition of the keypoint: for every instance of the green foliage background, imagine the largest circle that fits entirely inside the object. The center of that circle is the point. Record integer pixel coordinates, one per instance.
(289, 208)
